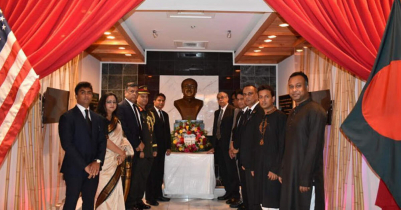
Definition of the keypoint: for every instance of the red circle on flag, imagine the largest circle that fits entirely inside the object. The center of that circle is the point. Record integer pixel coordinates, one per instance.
(381, 103)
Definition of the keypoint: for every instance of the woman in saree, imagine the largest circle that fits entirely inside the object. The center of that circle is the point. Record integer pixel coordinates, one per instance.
(110, 193)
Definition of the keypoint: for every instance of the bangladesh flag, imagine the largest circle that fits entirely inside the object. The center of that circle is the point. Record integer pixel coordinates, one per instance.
(374, 124)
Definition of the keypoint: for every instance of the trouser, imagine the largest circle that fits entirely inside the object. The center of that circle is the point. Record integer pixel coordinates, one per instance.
(228, 171)
(141, 170)
(155, 180)
(251, 189)
(76, 184)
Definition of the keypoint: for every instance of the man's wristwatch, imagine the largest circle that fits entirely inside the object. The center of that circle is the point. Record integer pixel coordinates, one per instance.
(98, 161)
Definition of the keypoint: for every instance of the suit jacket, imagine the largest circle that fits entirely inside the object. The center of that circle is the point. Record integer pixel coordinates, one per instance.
(162, 135)
(81, 145)
(238, 113)
(225, 127)
(250, 134)
(129, 123)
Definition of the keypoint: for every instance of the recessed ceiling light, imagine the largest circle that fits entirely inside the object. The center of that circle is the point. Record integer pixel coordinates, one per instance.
(127, 54)
(257, 50)
(284, 25)
(150, 76)
(268, 40)
(228, 77)
(299, 50)
(238, 70)
(261, 47)
(107, 33)
(306, 47)
(271, 36)
(121, 48)
(111, 37)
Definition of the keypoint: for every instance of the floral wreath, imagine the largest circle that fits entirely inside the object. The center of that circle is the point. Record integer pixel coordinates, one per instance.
(177, 138)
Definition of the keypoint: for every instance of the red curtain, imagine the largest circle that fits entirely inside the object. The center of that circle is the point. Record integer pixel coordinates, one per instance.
(52, 32)
(348, 32)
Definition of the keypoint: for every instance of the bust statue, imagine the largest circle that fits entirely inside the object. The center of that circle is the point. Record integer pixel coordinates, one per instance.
(188, 106)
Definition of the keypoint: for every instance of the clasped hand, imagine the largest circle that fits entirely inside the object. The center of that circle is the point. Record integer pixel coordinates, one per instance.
(92, 169)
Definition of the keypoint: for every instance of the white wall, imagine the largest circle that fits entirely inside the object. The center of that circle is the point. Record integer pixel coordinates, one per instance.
(89, 70)
(284, 69)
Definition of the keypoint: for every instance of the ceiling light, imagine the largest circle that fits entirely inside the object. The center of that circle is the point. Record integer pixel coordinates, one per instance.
(306, 47)
(155, 34)
(111, 37)
(121, 48)
(150, 76)
(229, 34)
(284, 25)
(299, 50)
(107, 33)
(127, 54)
(228, 77)
(268, 40)
(261, 47)
(238, 70)
(257, 50)
(199, 15)
(271, 36)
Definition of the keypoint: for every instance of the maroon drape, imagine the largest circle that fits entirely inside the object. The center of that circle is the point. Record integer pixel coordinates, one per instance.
(348, 32)
(53, 32)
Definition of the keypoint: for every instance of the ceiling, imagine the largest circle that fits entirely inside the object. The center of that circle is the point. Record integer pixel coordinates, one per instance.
(250, 22)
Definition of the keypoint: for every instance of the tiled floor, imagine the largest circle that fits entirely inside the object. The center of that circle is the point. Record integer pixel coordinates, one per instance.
(191, 204)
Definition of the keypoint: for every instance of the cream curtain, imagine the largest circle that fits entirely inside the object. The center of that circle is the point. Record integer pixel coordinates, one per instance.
(31, 168)
(341, 157)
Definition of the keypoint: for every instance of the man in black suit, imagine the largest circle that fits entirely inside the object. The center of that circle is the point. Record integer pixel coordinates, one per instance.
(222, 129)
(128, 114)
(83, 138)
(249, 134)
(234, 147)
(163, 139)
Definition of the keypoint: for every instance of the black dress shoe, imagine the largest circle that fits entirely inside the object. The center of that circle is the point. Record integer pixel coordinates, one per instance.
(162, 199)
(241, 207)
(236, 204)
(224, 197)
(143, 206)
(152, 202)
(232, 200)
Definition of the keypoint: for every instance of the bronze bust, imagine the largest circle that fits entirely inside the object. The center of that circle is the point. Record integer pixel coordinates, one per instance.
(188, 107)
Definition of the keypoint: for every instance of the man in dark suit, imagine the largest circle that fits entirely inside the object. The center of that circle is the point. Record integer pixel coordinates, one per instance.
(128, 114)
(249, 134)
(83, 138)
(234, 147)
(163, 139)
(222, 129)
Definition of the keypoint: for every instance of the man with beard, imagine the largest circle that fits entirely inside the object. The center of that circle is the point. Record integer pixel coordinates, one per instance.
(302, 165)
(270, 149)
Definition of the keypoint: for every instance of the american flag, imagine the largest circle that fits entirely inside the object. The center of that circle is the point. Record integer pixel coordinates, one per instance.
(19, 87)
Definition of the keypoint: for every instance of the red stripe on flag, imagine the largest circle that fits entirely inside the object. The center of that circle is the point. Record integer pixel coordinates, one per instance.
(19, 120)
(9, 100)
(9, 62)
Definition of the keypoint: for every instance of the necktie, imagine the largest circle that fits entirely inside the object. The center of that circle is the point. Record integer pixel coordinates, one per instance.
(239, 117)
(218, 135)
(137, 116)
(161, 115)
(88, 120)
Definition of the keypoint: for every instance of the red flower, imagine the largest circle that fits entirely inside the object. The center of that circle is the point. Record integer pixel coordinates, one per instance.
(188, 132)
